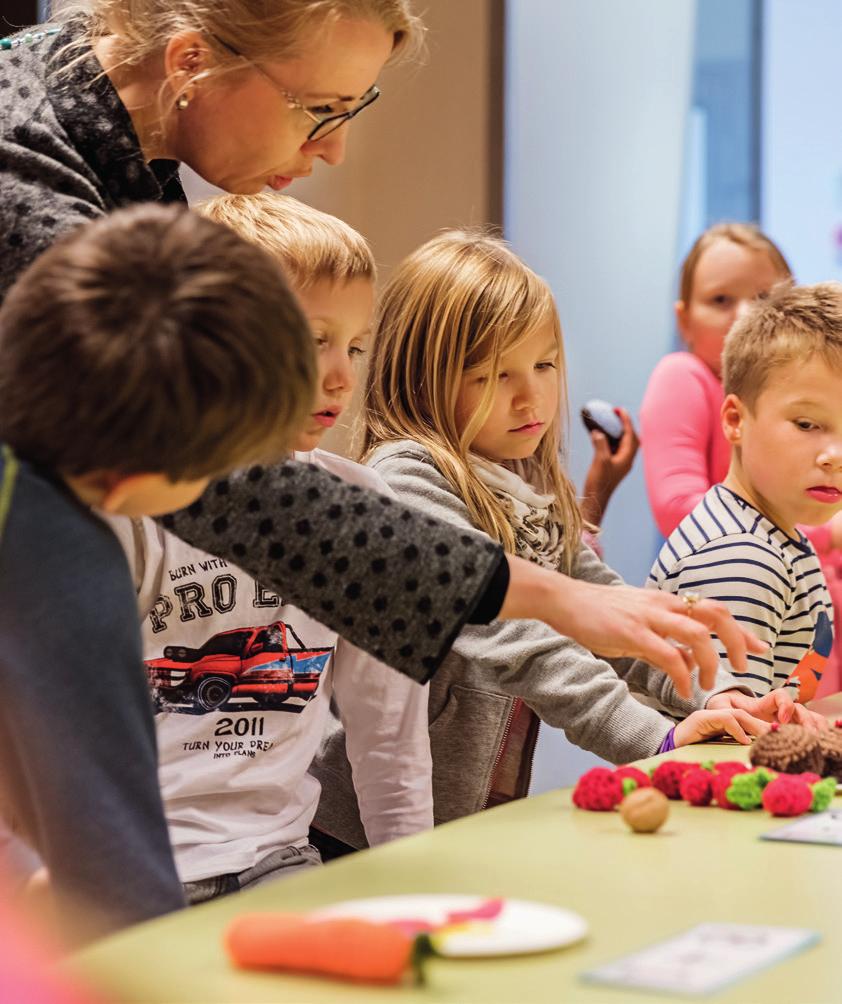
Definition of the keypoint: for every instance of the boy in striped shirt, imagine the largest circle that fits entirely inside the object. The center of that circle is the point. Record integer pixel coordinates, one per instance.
(782, 414)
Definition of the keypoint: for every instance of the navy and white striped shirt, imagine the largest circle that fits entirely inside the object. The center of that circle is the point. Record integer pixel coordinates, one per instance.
(772, 583)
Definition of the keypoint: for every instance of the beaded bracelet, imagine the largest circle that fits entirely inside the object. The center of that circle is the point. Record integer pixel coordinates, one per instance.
(28, 38)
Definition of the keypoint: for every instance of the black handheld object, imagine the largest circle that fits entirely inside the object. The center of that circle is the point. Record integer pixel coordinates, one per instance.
(600, 415)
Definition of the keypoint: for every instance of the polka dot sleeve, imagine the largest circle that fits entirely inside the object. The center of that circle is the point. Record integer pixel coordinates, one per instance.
(392, 581)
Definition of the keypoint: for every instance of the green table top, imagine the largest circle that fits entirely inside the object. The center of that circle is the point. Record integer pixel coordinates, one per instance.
(705, 865)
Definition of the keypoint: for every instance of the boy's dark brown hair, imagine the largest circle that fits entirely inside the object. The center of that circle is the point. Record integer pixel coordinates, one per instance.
(792, 324)
(153, 341)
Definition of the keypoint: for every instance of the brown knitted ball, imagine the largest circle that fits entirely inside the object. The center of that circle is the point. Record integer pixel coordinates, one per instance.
(790, 749)
(830, 743)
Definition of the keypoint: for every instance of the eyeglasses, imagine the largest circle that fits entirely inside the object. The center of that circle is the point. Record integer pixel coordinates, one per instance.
(325, 123)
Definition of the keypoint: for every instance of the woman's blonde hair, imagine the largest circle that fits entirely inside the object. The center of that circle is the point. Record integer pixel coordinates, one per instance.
(462, 300)
(746, 235)
(256, 30)
(310, 245)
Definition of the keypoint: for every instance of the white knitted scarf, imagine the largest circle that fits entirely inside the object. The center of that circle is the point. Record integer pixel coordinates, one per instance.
(538, 535)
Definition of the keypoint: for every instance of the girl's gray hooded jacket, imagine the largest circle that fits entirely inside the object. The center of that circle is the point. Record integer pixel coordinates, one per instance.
(491, 667)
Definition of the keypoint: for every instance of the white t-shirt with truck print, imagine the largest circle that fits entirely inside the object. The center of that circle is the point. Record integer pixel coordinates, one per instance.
(242, 685)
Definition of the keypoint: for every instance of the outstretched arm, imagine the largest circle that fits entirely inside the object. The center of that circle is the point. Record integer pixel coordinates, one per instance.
(615, 621)
(356, 560)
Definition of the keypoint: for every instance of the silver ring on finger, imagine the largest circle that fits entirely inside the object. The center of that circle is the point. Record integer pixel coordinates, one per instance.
(690, 599)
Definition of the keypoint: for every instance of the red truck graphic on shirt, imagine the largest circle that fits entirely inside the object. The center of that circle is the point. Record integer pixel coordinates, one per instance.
(268, 664)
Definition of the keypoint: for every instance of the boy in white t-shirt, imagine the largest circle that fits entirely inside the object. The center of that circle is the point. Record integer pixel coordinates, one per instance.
(241, 681)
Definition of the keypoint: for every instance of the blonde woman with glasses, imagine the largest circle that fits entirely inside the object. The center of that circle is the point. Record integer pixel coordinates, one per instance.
(98, 110)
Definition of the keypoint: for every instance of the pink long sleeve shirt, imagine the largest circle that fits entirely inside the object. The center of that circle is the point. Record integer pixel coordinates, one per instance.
(684, 450)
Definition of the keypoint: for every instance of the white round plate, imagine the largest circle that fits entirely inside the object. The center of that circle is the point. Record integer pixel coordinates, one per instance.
(519, 927)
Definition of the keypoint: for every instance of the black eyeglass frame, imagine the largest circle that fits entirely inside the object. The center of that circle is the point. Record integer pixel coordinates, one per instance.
(318, 131)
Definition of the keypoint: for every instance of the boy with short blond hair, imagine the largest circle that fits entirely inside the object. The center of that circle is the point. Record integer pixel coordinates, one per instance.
(123, 353)
(243, 681)
(782, 414)
(311, 246)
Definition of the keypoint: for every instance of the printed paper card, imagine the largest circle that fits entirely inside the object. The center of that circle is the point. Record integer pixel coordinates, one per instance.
(822, 828)
(704, 959)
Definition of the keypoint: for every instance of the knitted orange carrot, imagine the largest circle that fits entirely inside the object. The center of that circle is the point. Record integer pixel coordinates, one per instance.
(343, 947)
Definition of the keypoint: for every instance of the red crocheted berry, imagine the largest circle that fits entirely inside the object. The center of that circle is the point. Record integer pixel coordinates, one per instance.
(696, 786)
(787, 795)
(838, 723)
(808, 777)
(667, 777)
(730, 767)
(635, 773)
(598, 790)
(721, 783)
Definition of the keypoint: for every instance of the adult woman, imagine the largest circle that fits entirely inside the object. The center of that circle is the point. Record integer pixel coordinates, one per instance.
(250, 93)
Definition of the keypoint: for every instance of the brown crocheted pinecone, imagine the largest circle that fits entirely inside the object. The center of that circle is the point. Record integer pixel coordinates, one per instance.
(831, 747)
(791, 749)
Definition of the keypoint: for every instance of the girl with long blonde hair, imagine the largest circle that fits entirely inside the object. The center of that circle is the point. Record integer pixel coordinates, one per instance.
(459, 305)
(463, 419)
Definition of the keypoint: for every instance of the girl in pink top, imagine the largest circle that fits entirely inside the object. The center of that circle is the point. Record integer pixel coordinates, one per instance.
(684, 449)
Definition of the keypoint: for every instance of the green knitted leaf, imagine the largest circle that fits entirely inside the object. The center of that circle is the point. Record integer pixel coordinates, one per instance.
(629, 785)
(823, 792)
(764, 776)
(745, 790)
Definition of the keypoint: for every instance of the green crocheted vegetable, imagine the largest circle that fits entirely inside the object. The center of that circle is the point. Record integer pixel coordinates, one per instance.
(823, 792)
(746, 790)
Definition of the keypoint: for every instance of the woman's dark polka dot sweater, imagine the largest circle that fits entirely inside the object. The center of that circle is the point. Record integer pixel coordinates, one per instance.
(391, 581)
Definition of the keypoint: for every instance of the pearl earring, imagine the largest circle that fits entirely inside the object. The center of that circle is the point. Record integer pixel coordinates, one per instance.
(182, 102)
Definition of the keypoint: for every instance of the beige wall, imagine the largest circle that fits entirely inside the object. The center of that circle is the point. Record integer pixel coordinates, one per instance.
(418, 160)
(428, 154)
